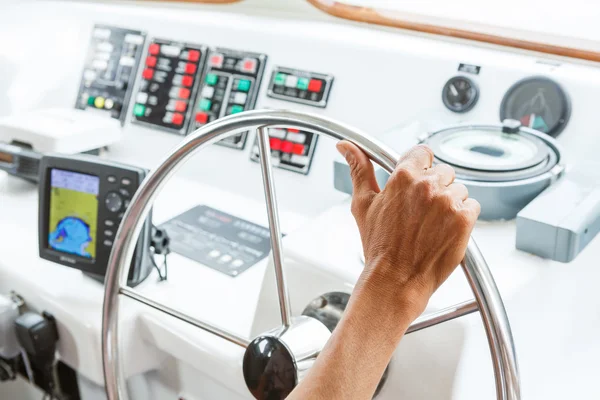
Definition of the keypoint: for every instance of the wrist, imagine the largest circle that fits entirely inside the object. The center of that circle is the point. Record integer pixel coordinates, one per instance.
(390, 305)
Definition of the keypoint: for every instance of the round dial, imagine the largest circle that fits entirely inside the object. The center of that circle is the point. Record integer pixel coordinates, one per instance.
(539, 103)
(460, 94)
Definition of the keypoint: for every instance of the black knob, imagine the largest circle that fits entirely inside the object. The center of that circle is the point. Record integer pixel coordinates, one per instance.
(269, 369)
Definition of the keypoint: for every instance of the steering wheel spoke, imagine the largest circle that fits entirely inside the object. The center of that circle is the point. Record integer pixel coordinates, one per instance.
(264, 152)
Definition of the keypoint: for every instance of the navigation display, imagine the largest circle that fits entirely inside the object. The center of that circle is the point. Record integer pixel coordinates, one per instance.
(73, 213)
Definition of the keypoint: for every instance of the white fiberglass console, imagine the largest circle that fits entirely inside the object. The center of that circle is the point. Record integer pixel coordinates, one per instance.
(180, 67)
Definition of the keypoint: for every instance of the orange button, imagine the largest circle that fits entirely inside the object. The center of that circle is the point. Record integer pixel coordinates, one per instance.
(180, 106)
(187, 80)
(298, 149)
(287, 147)
(315, 85)
(193, 55)
(275, 143)
(190, 68)
(148, 74)
(184, 93)
(201, 118)
(178, 119)
(154, 49)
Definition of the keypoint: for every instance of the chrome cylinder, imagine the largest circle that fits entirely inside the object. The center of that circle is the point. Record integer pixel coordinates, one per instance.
(486, 293)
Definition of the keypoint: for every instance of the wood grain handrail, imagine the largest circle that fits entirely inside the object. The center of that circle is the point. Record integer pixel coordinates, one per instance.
(370, 15)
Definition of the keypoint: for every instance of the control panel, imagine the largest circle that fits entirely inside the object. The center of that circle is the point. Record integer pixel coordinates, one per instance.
(291, 149)
(170, 79)
(230, 86)
(112, 59)
(300, 86)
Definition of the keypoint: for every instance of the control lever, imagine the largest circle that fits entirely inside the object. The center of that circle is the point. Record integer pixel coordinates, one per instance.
(38, 335)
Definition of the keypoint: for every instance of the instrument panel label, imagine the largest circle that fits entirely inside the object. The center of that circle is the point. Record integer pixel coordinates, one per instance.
(218, 240)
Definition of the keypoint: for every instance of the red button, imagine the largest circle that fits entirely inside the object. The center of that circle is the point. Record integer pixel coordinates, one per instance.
(216, 60)
(287, 147)
(178, 119)
(293, 130)
(193, 55)
(201, 118)
(190, 68)
(275, 143)
(184, 93)
(180, 106)
(151, 61)
(315, 85)
(154, 49)
(148, 74)
(298, 149)
(249, 65)
(187, 80)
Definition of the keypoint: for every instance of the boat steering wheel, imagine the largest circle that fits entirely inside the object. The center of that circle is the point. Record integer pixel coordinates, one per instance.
(298, 341)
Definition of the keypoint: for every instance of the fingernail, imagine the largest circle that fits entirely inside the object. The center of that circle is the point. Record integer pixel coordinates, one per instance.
(343, 149)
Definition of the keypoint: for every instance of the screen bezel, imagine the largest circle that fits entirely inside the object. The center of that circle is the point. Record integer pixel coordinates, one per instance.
(88, 165)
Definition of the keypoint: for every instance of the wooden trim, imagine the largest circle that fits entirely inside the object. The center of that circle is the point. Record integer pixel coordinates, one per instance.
(370, 15)
(199, 1)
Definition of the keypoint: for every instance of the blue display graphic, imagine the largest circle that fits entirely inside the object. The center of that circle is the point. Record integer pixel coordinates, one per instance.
(73, 213)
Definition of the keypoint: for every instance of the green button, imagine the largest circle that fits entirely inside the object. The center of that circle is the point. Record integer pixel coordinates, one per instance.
(91, 100)
(280, 79)
(243, 85)
(236, 109)
(205, 104)
(212, 79)
(139, 110)
(302, 83)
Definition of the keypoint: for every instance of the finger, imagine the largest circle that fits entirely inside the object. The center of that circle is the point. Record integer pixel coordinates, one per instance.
(459, 191)
(361, 169)
(417, 159)
(474, 206)
(444, 172)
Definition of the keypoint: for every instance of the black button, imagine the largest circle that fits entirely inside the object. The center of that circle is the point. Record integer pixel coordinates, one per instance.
(111, 179)
(113, 202)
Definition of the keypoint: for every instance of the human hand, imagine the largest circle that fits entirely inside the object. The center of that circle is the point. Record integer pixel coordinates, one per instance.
(414, 232)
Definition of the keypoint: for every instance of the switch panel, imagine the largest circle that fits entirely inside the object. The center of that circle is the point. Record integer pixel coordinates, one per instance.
(170, 79)
(308, 88)
(291, 149)
(111, 63)
(229, 86)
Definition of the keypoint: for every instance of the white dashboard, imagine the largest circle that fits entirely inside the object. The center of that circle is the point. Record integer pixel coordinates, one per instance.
(386, 82)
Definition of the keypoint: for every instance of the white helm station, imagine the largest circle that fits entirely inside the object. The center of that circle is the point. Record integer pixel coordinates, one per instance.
(175, 218)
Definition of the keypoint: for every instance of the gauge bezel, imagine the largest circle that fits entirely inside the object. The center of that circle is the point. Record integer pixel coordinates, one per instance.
(565, 115)
(472, 101)
(467, 172)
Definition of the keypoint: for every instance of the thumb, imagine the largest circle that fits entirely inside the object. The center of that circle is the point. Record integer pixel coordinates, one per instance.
(361, 168)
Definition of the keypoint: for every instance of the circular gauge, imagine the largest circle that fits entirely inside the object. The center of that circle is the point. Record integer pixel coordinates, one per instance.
(539, 103)
(460, 94)
(504, 167)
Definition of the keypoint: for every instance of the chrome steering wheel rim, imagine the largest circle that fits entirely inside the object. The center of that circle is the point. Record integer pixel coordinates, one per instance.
(487, 297)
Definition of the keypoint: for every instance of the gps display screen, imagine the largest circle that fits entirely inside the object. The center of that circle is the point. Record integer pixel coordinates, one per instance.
(73, 213)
